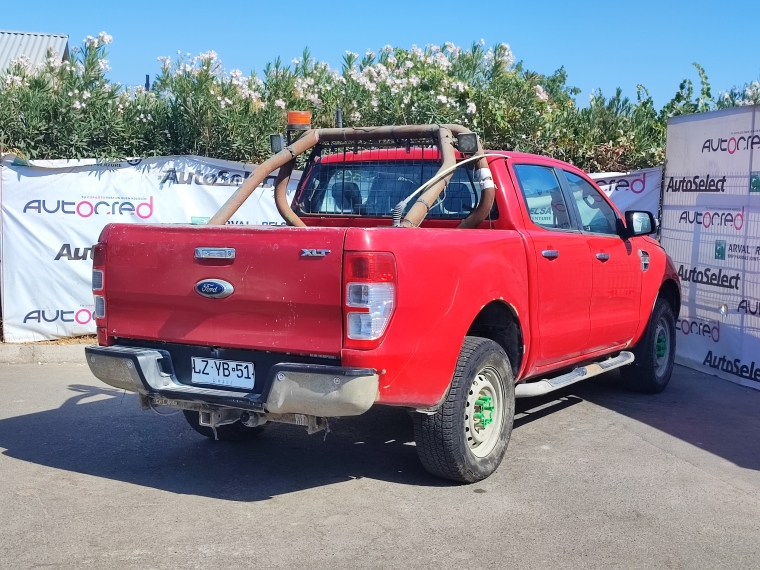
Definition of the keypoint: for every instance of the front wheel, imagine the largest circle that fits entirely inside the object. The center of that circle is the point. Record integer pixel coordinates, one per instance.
(466, 438)
(655, 353)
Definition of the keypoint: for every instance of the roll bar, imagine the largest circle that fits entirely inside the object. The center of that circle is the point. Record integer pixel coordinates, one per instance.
(285, 160)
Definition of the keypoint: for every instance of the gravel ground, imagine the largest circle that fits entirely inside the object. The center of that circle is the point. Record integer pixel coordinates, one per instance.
(595, 477)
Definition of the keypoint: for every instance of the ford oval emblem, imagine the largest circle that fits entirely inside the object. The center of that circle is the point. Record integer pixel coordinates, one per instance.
(214, 288)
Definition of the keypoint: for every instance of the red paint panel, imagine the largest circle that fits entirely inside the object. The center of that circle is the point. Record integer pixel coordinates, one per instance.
(283, 301)
(445, 277)
(564, 294)
(616, 292)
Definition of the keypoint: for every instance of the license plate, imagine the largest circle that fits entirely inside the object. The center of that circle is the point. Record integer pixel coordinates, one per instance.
(223, 373)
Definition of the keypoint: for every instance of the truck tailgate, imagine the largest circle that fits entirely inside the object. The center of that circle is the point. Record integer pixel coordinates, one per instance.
(283, 300)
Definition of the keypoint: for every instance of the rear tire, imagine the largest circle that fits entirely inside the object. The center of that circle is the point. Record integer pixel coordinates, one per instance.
(465, 440)
(655, 353)
(228, 432)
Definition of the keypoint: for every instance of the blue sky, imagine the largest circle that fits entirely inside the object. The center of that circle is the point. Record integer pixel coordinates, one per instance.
(601, 44)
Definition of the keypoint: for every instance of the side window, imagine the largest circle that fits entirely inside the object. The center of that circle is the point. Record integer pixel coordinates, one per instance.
(596, 214)
(543, 196)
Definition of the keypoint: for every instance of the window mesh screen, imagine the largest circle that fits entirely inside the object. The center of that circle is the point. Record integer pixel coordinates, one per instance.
(370, 179)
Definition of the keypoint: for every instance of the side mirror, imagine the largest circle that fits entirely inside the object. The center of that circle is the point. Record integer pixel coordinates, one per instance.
(640, 223)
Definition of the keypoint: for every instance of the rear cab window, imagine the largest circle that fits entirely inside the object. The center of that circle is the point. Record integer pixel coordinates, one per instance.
(373, 188)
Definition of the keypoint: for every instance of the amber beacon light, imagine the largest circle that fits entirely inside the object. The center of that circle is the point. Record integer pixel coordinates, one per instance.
(299, 120)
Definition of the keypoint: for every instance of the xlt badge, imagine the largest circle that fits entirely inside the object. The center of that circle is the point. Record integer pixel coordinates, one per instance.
(314, 252)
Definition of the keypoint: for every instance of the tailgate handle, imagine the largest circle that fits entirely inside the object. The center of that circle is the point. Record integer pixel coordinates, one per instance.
(214, 253)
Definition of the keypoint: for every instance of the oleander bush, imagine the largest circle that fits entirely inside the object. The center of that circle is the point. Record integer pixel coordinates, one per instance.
(71, 110)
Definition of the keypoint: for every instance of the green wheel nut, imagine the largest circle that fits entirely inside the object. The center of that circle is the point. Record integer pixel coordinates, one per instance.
(485, 416)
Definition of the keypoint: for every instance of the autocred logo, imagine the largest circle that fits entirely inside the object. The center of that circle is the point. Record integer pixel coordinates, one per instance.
(709, 219)
(749, 307)
(696, 184)
(636, 185)
(731, 145)
(86, 208)
(81, 316)
(708, 277)
(739, 251)
(733, 367)
(697, 327)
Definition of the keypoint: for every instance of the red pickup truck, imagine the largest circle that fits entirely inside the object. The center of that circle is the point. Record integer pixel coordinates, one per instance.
(416, 270)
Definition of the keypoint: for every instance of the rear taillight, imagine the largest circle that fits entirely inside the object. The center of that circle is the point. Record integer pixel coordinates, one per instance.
(98, 255)
(99, 281)
(369, 288)
(100, 307)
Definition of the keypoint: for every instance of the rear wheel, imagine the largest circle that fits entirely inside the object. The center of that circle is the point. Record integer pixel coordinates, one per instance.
(655, 353)
(228, 432)
(465, 440)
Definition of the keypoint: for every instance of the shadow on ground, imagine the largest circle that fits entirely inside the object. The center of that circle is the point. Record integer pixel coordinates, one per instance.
(708, 412)
(100, 432)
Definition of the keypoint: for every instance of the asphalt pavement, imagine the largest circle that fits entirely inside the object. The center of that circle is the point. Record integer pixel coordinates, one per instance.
(595, 477)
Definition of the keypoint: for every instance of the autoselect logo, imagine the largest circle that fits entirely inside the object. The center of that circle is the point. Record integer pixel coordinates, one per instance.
(81, 316)
(708, 277)
(698, 327)
(739, 251)
(732, 144)
(733, 218)
(76, 254)
(696, 184)
(213, 178)
(733, 367)
(87, 208)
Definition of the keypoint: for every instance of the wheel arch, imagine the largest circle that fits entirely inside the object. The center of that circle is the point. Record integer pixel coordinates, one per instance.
(670, 291)
(499, 322)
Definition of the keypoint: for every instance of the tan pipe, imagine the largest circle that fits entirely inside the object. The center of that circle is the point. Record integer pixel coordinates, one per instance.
(285, 161)
(228, 209)
(427, 199)
(398, 133)
(483, 209)
(487, 195)
(281, 195)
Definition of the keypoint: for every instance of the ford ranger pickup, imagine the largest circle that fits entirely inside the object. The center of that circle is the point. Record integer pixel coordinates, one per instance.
(415, 270)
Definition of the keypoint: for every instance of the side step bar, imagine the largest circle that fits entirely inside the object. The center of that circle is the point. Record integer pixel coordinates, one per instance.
(581, 373)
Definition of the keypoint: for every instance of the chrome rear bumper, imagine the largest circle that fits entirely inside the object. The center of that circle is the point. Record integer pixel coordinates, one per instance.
(290, 388)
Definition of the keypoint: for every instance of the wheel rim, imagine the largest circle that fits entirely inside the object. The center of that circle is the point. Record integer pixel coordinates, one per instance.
(483, 413)
(662, 346)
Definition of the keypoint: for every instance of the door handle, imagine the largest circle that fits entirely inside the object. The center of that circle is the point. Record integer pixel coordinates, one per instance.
(550, 253)
(602, 256)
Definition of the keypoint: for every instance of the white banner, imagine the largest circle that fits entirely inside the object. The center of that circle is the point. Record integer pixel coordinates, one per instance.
(638, 190)
(711, 229)
(53, 212)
